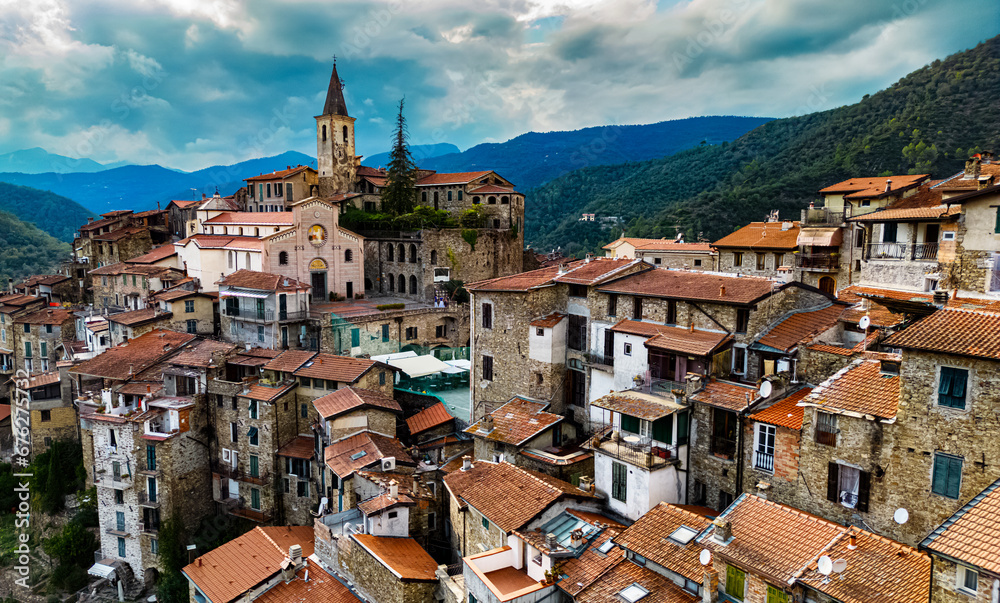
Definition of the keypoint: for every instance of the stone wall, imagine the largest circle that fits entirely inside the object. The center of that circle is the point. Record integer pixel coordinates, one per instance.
(783, 480)
(375, 580)
(816, 366)
(204, 314)
(373, 340)
(944, 587)
(63, 424)
(713, 473)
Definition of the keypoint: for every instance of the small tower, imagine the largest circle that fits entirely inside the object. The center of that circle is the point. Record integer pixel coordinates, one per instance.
(335, 142)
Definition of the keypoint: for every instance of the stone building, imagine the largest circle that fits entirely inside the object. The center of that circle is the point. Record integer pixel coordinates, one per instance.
(129, 286)
(190, 311)
(385, 569)
(348, 410)
(265, 310)
(759, 248)
(12, 305)
(119, 236)
(771, 444)
(764, 552)
(964, 570)
(38, 335)
(53, 288)
(364, 450)
(52, 418)
(665, 253)
(124, 326)
(279, 190)
(368, 328)
(182, 215)
(969, 259)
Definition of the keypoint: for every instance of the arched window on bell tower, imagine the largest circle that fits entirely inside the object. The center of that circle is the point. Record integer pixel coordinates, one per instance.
(345, 134)
(324, 133)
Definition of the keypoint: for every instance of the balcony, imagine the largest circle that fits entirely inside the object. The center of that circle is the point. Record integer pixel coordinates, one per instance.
(149, 527)
(598, 359)
(763, 461)
(118, 482)
(150, 501)
(818, 261)
(241, 509)
(268, 315)
(821, 216)
(925, 252)
(633, 449)
(261, 478)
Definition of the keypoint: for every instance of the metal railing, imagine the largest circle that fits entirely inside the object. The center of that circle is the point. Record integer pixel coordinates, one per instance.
(149, 527)
(763, 461)
(148, 500)
(598, 358)
(235, 473)
(640, 454)
(902, 251)
(820, 216)
(818, 261)
(244, 510)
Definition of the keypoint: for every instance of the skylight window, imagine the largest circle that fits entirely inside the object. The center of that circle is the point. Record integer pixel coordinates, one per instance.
(633, 593)
(607, 546)
(683, 535)
(358, 455)
(509, 415)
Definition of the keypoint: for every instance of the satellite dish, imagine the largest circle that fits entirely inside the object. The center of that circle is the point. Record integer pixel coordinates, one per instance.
(765, 389)
(901, 516)
(865, 322)
(825, 565)
(840, 565)
(705, 557)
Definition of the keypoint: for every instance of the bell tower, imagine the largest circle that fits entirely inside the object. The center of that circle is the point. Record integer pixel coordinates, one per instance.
(335, 142)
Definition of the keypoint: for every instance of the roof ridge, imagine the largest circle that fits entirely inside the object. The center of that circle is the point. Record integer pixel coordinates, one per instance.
(268, 538)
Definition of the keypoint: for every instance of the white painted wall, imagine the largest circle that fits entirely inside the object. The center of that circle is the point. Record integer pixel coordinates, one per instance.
(382, 525)
(540, 346)
(627, 367)
(644, 489)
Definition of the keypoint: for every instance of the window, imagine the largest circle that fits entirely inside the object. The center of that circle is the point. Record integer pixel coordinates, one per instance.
(411, 333)
(735, 582)
(737, 258)
(413, 254)
(776, 595)
(577, 335)
(440, 331)
(487, 316)
(304, 411)
(889, 232)
(488, 368)
(637, 308)
(723, 433)
(657, 261)
(683, 427)
(951, 387)
(233, 434)
(381, 378)
(254, 465)
(633, 592)
(254, 409)
(48, 328)
(619, 481)
(826, 429)
(612, 305)
(348, 255)
(120, 521)
(761, 261)
(486, 523)
(385, 333)
(254, 434)
(968, 580)
(578, 290)
(432, 517)
(119, 497)
(394, 514)
(150, 457)
(255, 499)
(697, 263)
(189, 306)
(947, 475)
(192, 326)
(287, 487)
(260, 333)
(742, 320)
(121, 547)
(763, 457)
(283, 258)
(630, 424)
(628, 349)
(390, 253)
(302, 488)
(683, 535)
(46, 416)
(848, 486)
(355, 338)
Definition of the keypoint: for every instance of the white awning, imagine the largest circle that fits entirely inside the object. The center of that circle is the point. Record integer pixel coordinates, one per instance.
(232, 293)
(387, 357)
(453, 370)
(462, 363)
(102, 571)
(420, 366)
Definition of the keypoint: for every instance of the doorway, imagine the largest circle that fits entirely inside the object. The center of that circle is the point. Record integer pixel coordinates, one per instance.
(828, 285)
(318, 286)
(350, 290)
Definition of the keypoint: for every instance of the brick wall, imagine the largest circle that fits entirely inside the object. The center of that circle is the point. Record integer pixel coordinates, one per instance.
(784, 478)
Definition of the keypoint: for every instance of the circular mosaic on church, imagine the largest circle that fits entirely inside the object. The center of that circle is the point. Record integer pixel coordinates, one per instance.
(317, 235)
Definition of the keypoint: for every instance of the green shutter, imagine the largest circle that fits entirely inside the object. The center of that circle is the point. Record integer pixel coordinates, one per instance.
(776, 595)
(27, 349)
(630, 424)
(954, 477)
(255, 498)
(735, 582)
(355, 337)
(254, 466)
(940, 478)
(44, 349)
(996, 228)
(619, 481)
(663, 430)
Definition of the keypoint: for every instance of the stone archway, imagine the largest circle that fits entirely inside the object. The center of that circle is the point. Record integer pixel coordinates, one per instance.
(150, 577)
(828, 284)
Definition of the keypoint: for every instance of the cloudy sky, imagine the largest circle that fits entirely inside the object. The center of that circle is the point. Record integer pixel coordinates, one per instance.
(192, 83)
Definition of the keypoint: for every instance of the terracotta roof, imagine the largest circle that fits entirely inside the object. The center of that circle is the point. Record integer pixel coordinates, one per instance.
(490, 488)
(230, 570)
(205, 241)
(724, 394)
(453, 178)
(289, 360)
(763, 236)
(261, 281)
(516, 422)
(138, 317)
(674, 246)
(42, 379)
(774, 540)
(48, 316)
(269, 218)
(200, 353)
(575, 272)
(549, 320)
(595, 271)
(867, 188)
(831, 349)
(972, 534)
(404, 481)
(141, 388)
(458, 480)
(96, 224)
(121, 233)
(963, 181)
(624, 574)
(953, 331)
(879, 315)
(301, 447)
(403, 556)
(267, 393)
(374, 446)
(799, 327)
(581, 571)
(347, 399)
(693, 285)
(380, 503)
(331, 367)
(924, 205)
(321, 586)
(183, 203)
(366, 170)
(687, 341)
(137, 269)
(137, 354)
(785, 412)
(637, 404)
(649, 536)
(280, 174)
(429, 418)
(879, 569)
(42, 279)
(175, 294)
(4, 411)
(487, 189)
(859, 388)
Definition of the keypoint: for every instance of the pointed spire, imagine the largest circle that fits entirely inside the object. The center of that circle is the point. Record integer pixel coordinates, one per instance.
(335, 104)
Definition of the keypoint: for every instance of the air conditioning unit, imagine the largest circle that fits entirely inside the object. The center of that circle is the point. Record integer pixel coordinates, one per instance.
(389, 463)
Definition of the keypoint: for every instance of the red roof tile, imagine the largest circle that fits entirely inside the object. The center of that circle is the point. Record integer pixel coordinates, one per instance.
(269, 218)
(289, 360)
(348, 399)
(724, 394)
(516, 422)
(860, 388)
(801, 326)
(597, 270)
(785, 412)
(321, 586)
(267, 393)
(403, 556)
(637, 404)
(261, 281)
(301, 447)
(380, 503)
(650, 537)
(624, 574)
(331, 367)
(139, 317)
(548, 321)
(374, 446)
(700, 286)
(953, 331)
(972, 534)
(453, 178)
(675, 339)
(429, 418)
(782, 236)
(581, 571)
(868, 188)
(134, 356)
(48, 316)
(280, 174)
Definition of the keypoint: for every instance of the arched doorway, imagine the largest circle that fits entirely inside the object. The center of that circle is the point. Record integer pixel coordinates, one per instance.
(317, 276)
(150, 577)
(828, 284)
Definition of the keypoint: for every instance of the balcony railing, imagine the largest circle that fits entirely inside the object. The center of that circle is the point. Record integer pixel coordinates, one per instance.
(902, 251)
(763, 461)
(244, 510)
(149, 527)
(251, 314)
(599, 359)
(235, 473)
(818, 261)
(639, 454)
(820, 216)
(148, 500)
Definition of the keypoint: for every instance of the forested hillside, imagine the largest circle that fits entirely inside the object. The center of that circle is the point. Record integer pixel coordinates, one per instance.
(56, 215)
(26, 250)
(928, 122)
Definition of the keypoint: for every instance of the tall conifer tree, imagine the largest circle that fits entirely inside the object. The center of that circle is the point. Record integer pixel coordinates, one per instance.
(400, 191)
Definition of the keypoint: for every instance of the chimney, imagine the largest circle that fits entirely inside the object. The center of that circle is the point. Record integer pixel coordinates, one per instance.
(722, 291)
(287, 570)
(972, 167)
(90, 220)
(762, 488)
(585, 483)
(723, 530)
(551, 542)
(198, 561)
(786, 225)
(576, 538)
(466, 462)
(204, 196)
(393, 489)
(488, 423)
(852, 542)
(710, 585)
(940, 297)
(295, 554)
(888, 185)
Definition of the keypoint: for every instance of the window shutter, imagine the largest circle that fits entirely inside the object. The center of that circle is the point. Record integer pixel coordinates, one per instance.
(945, 386)
(864, 490)
(682, 428)
(954, 476)
(630, 424)
(833, 483)
(996, 228)
(958, 384)
(940, 480)
(663, 429)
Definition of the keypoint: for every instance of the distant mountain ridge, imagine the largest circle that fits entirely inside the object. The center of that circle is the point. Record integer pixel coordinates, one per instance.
(39, 161)
(420, 152)
(927, 122)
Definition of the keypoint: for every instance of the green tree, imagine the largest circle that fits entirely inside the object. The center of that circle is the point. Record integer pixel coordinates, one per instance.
(400, 191)
(172, 587)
